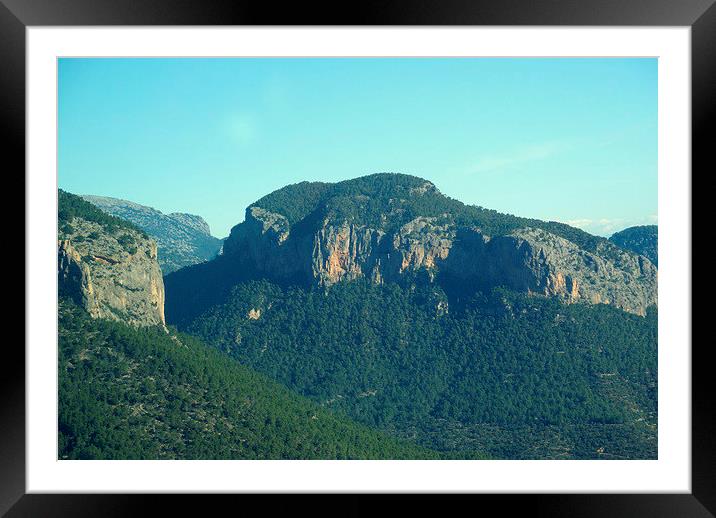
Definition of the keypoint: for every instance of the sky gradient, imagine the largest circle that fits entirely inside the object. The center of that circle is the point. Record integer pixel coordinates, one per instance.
(572, 140)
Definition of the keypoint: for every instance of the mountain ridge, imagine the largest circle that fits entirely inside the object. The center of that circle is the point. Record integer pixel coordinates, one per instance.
(384, 225)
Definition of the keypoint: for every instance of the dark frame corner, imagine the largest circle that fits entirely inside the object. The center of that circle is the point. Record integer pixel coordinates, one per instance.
(700, 15)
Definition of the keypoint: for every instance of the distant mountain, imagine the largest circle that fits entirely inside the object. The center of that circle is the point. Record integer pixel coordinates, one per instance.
(643, 240)
(182, 239)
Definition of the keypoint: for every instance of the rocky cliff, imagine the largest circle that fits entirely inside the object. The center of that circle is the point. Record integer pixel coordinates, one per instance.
(536, 261)
(110, 271)
(182, 239)
(384, 226)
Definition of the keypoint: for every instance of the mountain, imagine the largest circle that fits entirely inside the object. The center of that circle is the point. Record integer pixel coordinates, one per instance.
(182, 239)
(106, 265)
(467, 331)
(643, 240)
(390, 227)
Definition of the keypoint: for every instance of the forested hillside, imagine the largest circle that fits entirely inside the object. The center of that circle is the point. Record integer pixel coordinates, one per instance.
(70, 206)
(510, 375)
(142, 393)
(643, 240)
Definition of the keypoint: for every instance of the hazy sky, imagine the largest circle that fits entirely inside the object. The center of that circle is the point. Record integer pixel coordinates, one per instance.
(572, 140)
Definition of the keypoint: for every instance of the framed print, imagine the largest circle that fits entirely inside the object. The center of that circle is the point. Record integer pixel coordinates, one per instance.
(446, 250)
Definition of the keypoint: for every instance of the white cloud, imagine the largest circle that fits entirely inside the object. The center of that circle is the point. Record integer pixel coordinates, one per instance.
(608, 226)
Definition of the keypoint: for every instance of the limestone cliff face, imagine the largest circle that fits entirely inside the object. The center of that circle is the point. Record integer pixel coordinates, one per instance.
(346, 252)
(535, 261)
(329, 248)
(262, 242)
(423, 243)
(114, 276)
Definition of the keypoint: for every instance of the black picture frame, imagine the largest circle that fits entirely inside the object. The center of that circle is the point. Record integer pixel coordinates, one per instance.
(700, 15)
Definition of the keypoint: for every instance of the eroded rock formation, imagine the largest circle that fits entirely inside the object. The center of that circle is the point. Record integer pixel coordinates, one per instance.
(526, 259)
(112, 275)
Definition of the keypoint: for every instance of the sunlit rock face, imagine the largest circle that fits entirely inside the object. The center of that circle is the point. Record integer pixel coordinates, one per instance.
(112, 275)
(329, 243)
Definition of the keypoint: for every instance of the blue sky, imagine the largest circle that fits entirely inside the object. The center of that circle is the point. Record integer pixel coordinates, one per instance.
(571, 140)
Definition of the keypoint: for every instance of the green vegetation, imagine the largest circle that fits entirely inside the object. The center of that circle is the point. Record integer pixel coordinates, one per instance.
(71, 206)
(364, 200)
(642, 240)
(128, 242)
(127, 393)
(191, 290)
(295, 201)
(505, 374)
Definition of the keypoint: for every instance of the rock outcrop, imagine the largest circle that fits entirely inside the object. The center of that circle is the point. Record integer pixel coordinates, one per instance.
(112, 275)
(328, 246)
(539, 262)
